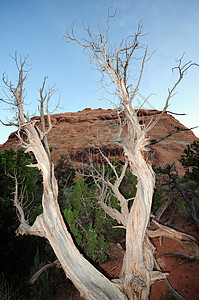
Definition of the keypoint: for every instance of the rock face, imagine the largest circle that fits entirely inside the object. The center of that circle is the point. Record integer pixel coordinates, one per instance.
(74, 134)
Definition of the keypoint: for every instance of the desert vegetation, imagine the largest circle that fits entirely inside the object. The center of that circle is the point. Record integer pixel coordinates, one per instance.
(92, 230)
(108, 199)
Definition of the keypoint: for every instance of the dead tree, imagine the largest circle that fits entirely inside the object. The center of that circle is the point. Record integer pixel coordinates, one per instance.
(50, 224)
(113, 64)
(138, 268)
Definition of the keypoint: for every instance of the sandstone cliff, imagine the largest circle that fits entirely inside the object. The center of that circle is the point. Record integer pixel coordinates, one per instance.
(73, 134)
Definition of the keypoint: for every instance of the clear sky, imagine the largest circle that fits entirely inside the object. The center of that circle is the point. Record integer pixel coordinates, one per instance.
(35, 27)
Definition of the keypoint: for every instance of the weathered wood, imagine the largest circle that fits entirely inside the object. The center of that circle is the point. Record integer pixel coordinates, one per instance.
(88, 280)
(137, 276)
(137, 271)
(41, 270)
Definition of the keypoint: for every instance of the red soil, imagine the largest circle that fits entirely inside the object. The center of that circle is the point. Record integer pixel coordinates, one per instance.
(184, 277)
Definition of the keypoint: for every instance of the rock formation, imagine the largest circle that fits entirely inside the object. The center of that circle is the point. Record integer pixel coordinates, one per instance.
(74, 134)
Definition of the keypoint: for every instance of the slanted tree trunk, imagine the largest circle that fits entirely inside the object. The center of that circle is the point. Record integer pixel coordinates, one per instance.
(50, 224)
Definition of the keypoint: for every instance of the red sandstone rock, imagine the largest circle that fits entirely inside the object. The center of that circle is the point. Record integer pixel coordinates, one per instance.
(73, 134)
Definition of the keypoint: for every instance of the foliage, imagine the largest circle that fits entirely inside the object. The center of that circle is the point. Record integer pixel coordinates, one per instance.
(157, 200)
(14, 163)
(182, 207)
(162, 188)
(181, 190)
(127, 187)
(35, 211)
(90, 226)
(86, 221)
(190, 160)
(6, 291)
(17, 253)
(65, 176)
(64, 173)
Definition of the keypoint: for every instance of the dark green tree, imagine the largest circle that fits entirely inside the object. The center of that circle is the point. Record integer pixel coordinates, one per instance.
(17, 253)
(14, 163)
(87, 221)
(178, 193)
(190, 160)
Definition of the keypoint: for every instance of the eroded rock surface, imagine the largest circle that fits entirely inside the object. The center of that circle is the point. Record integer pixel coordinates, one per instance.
(74, 134)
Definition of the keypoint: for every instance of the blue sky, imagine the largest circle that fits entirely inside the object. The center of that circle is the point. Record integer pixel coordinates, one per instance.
(35, 27)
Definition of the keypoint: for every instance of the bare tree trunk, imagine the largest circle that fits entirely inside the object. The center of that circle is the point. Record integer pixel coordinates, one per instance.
(50, 224)
(139, 257)
(113, 63)
(137, 267)
(137, 272)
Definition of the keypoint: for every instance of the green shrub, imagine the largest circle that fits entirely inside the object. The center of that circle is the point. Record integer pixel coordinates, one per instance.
(91, 227)
(86, 221)
(190, 160)
(15, 163)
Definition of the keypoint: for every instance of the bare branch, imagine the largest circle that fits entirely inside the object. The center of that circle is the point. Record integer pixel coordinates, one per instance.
(140, 76)
(156, 275)
(105, 187)
(181, 255)
(174, 113)
(169, 232)
(56, 263)
(45, 97)
(18, 203)
(174, 292)
(177, 129)
(162, 208)
(147, 98)
(181, 72)
(7, 124)
(17, 92)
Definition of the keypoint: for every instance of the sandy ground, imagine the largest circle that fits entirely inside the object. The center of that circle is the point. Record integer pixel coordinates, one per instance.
(183, 275)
